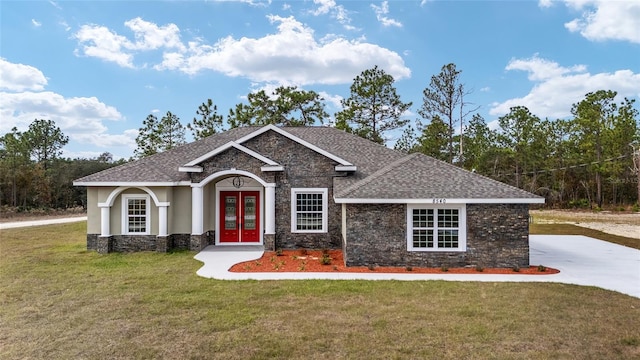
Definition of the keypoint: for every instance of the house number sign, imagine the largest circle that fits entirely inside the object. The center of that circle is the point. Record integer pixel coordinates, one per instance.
(439, 201)
(238, 182)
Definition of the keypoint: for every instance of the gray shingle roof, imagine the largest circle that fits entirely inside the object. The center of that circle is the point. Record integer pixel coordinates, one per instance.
(382, 173)
(418, 176)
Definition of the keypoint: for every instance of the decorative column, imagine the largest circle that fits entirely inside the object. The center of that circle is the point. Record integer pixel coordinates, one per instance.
(162, 221)
(270, 209)
(197, 218)
(105, 220)
(197, 204)
(105, 242)
(269, 239)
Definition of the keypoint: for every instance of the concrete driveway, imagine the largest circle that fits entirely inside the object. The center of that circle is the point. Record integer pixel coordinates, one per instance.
(28, 223)
(580, 259)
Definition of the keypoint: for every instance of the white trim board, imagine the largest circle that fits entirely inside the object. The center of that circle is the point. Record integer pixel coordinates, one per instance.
(440, 201)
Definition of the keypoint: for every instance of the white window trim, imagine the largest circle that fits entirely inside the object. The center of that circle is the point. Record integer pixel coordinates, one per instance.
(462, 229)
(325, 208)
(125, 213)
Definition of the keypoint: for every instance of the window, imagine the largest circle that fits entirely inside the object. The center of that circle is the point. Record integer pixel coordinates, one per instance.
(436, 228)
(309, 210)
(135, 214)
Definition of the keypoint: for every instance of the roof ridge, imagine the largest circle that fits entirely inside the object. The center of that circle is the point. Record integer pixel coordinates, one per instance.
(382, 171)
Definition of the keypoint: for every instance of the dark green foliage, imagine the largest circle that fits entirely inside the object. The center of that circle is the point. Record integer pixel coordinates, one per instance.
(157, 136)
(287, 106)
(374, 107)
(209, 123)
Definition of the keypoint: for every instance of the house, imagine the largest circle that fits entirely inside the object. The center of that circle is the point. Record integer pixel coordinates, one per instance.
(309, 187)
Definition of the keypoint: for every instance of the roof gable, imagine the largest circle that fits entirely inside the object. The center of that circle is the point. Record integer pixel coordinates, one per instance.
(192, 166)
(300, 141)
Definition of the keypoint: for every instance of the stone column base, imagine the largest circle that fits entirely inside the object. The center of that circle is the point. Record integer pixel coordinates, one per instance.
(163, 244)
(104, 244)
(269, 242)
(198, 242)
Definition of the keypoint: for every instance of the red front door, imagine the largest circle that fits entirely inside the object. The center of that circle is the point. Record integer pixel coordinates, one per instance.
(239, 216)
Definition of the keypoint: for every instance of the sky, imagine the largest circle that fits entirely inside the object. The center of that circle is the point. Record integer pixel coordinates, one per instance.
(99, 68)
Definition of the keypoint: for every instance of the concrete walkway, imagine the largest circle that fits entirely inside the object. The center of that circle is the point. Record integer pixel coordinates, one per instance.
(580, 259)
(28, 223)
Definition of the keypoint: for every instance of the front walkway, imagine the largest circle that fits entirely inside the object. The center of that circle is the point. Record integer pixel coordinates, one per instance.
(580, 259)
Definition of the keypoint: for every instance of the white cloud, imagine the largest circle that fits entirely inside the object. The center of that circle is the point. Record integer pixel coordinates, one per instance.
(542, 69)
(150, 36)
(381, 12)
(290, 56)
(36, 23)
(603, 20)
(19, 77)
(334, 100)
(80, 118)
(76, 114)
(336, 11)
(485, 89)
(545, 3)
(556, 88)
(64, 25)
(100, 42)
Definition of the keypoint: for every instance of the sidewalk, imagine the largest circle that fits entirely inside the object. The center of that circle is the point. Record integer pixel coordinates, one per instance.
(580, 259)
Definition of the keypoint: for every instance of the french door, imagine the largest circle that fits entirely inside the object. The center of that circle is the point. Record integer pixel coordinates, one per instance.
(239, 216)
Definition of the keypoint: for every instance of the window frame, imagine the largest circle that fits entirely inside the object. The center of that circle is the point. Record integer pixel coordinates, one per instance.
(462, 227)
(325, 208)
(125, 213)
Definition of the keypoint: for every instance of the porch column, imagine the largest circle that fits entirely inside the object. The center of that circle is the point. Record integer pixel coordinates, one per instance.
(197, 204)
(270, 209)
(104, 220)
(162, 221)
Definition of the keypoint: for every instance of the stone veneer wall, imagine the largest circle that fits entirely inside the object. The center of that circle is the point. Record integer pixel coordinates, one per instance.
(303, 168)
(131, 243)
(497, 236)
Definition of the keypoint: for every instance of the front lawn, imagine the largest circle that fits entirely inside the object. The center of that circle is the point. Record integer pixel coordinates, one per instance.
(58, 301)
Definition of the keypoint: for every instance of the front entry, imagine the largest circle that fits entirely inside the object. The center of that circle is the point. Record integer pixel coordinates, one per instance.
(240, 216)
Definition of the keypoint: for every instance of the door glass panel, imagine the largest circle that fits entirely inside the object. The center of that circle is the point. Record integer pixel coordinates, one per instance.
(230, 213)
(249, 212)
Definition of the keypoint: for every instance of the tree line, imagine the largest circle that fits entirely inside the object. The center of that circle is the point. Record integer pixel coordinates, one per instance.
(34, 175)
(586, 160)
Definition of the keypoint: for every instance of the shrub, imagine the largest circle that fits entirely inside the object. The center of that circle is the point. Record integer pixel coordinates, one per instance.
(325, 259)
(279, 252)
(516, 268)
(542, 268)
(371, 267)
(444, 269)
(409, 268)
(479, 268)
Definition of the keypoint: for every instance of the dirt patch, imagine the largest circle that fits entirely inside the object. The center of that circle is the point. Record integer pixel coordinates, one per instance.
(312, 261)
(617, 223)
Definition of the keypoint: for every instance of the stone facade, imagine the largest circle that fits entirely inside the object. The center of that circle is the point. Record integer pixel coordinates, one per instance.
(497, 236)
(303, 168)
(132, 243)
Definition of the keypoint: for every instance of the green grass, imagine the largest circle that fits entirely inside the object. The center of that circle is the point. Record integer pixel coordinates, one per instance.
(58, 301)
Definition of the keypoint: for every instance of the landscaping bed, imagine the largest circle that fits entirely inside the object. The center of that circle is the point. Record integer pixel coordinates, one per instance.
(333, 261)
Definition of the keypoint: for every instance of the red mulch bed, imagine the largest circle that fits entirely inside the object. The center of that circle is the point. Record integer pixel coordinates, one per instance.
(310, 261)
